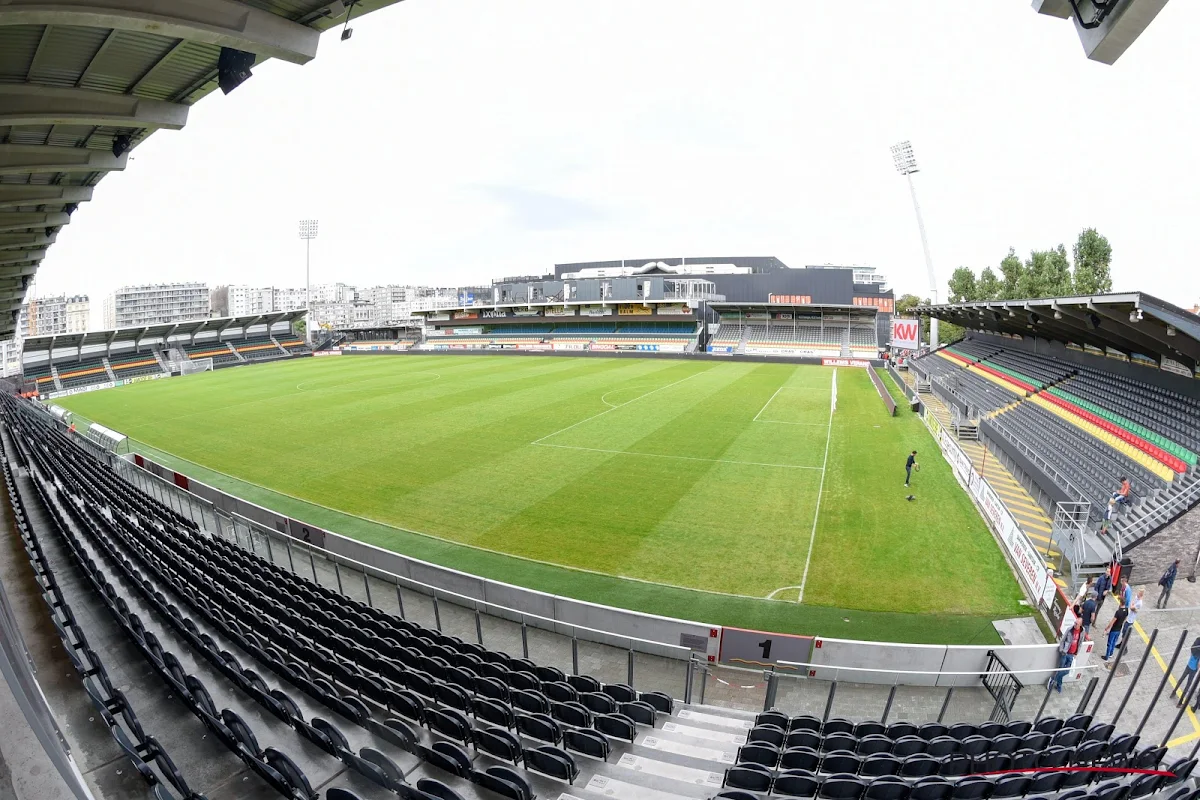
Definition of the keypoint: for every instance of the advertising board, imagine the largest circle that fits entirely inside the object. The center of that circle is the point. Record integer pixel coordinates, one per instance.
(560, 311)
(494, 313)
(845, 362)
(720, 350)
(633, 310)
(675, 309)
(596, 311)
(327, 353)
(794, 299)
(527, 312)
(906, 333)
(81, 389)
(1171, 365)
(465, 315)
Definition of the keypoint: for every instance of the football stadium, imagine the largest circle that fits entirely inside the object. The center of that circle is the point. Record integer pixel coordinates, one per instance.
(643, 529)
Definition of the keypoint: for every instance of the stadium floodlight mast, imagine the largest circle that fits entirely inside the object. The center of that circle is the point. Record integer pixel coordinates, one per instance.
(308, 232)
(906, 165)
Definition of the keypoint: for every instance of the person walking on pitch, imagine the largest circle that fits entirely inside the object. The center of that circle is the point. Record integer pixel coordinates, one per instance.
(909, 466)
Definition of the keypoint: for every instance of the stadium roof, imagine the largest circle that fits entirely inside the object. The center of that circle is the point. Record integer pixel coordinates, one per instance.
(749, 305)
(77, 341)
(1129, 323)
(82, 82)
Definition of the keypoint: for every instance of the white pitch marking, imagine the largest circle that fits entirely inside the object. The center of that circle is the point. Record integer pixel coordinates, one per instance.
(771, 596)
(821, 487)
(782, 422)
(680, 458)
(769, 399)
(614, 408)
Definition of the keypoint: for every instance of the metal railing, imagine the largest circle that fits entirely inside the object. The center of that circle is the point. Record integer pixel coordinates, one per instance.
(1073, 491)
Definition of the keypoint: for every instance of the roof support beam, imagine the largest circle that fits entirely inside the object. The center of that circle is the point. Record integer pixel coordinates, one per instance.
(10, 257)
(219, 22)
(24, 159)
(1142, 339)
(22, 104)
(11, 221)
(23, 241)
(15, 195)
(19, 284)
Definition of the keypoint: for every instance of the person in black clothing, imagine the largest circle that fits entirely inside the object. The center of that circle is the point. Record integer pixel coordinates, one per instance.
(908, 466)
(1167, 582)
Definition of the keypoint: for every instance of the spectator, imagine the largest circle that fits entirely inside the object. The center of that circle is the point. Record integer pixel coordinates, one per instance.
(1134, 608)
(1189, 674)
(908, 466)
(1167, 582)
(1124, 592)
(1085, 590)
(1102, 587)
(1114, 630)
(1087, 612)
(1110, 510)
(1123, 493)
(1068, 648)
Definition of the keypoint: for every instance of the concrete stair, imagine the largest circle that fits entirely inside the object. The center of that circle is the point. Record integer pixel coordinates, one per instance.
(1031, 518)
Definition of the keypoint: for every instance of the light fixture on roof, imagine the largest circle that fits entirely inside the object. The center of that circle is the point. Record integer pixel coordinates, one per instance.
(1035, 319)
(1170, 330)
(233, 68)
(1057, 314)
(347, 31)
(1135, 315)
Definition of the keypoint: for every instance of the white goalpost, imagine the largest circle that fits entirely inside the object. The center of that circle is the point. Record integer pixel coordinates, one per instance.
(191, 366)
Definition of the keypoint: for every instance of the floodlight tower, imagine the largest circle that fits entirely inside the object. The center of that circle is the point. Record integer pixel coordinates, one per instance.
(906, 165)
(308, 232)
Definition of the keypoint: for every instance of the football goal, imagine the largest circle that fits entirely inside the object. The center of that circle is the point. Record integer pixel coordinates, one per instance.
(190, 366)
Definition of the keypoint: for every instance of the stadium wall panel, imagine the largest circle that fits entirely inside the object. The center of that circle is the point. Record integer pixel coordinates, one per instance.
(656, 635)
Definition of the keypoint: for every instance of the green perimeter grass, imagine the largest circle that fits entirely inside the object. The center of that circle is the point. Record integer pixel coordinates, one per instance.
(652, 475)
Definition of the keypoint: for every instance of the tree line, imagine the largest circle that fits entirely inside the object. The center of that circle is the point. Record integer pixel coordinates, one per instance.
(1046, 273)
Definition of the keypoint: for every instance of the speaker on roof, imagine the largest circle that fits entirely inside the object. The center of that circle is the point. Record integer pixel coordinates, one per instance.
(233, 68)
(121, 144)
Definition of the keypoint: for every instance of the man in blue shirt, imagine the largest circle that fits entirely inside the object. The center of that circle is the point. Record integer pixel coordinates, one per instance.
(908, 466)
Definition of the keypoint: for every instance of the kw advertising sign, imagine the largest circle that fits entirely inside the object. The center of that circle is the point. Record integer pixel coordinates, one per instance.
(906, 333)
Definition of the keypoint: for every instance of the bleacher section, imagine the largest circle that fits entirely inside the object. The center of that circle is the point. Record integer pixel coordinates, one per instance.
(219, 352)
(134, 364)
(81, 373)
(1088, 428)
(258, 348)
(293, 344)
(311, 688)
(42, 376)
(667, 336)
(809, 339)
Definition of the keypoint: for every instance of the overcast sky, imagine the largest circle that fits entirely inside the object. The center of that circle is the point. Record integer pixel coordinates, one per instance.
(454, 141)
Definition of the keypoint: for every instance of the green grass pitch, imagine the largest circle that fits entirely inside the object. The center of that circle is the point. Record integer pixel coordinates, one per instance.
(690, 489)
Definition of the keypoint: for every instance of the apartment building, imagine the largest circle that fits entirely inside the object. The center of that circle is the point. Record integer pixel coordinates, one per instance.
(158, 303)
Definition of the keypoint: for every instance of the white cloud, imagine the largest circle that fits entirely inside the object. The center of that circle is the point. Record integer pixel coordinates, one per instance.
(456, 141)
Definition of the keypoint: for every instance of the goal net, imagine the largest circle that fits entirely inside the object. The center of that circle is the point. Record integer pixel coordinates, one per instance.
(191, 366)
